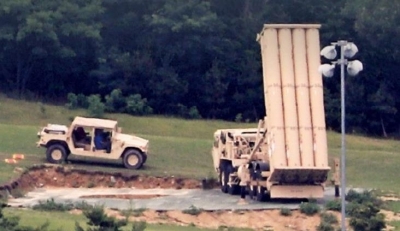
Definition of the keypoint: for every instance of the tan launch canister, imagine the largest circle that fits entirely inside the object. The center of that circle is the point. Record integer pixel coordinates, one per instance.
(273, 96)
(289, 97)
(303, 97)
(317, 99)
(294, 95)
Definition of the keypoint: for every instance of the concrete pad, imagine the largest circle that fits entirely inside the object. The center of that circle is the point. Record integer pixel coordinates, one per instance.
(172, 199)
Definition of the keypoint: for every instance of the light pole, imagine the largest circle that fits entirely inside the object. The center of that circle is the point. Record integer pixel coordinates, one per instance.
(347, 50)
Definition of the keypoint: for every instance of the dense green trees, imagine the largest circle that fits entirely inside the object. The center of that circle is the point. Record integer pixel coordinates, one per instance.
(191, 55)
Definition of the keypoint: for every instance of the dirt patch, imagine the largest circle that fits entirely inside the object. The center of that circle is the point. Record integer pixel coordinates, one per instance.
(255, 219)
(124, 196)
(44, 176)
(390, 198)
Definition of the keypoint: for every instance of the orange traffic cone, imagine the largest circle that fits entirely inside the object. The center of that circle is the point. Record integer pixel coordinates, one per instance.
(18, 156)
(10, 161)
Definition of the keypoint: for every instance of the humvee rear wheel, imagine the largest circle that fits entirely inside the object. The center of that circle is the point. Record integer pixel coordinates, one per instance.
(133, 159)
(56, 154)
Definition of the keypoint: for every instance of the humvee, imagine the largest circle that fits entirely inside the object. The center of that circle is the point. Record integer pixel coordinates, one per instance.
(92, 137)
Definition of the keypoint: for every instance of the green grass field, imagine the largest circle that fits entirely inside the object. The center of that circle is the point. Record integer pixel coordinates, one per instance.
(181, 147)
(66, 221)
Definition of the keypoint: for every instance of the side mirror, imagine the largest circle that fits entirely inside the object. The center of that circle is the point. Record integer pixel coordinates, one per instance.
(119, 129)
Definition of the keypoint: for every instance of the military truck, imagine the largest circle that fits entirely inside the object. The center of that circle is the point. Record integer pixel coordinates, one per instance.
(92, 137)
(231, 149)
(286, 156)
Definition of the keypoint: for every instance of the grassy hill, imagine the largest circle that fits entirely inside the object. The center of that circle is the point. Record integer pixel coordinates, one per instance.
(182, 147)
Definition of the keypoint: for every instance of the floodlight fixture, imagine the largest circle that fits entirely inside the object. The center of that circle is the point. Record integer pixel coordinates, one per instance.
(327, 70)
(329, 52)
(354, 67)
(350, 49)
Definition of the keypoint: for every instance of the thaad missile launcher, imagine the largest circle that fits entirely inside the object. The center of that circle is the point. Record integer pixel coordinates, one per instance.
(287, 155)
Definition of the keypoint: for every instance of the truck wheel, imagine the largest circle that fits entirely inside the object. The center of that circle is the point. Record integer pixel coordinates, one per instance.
(56, 154)
(261, 193)
(233, 189)
(253, 192)
(133, 159)
(144, 158)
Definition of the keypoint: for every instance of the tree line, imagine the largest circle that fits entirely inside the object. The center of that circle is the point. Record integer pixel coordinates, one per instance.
(181, 56)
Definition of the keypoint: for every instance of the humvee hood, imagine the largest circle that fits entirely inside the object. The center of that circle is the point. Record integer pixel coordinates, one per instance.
(55, 128)
(132, 139)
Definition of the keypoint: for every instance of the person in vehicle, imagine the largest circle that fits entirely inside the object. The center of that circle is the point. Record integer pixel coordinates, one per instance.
(100, 141)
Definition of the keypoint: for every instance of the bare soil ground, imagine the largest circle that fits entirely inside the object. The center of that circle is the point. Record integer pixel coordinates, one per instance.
(45, 176)
(123, 196)
(260, 220)
(75, 178)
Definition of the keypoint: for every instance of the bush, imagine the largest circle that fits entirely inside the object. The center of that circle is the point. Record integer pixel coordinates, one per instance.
(83, 205)
(191, 113)
(133, 212)
(51, 205)
(72, 101)
(329, 218)
(334, 205)
(115, 101)
(99, 221)
(139, 226)
(324, 226)
(194, 113)
(365, 196)
(363, 210)
(192, 210)
(365, 216)
(285, 212)
(82, 101)
(238, 118)
(309, 208)
(135, 105)
(96, 107)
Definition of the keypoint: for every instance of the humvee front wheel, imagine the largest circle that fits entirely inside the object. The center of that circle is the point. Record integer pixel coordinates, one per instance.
(56, 154)
(144, 158)
(133, 159)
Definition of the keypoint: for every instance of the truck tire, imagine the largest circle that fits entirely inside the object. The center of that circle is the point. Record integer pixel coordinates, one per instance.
(232, 189)
(253, 192)
(56, 154)
(144, 158)
(261, 196)
(133, 159)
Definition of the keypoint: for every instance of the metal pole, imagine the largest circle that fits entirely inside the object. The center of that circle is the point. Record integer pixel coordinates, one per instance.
(343, 157)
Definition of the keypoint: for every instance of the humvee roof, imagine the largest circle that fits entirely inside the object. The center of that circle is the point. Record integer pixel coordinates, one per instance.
(94, 122)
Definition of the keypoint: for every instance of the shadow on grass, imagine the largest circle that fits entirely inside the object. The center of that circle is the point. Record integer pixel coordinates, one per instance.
(107, 166)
